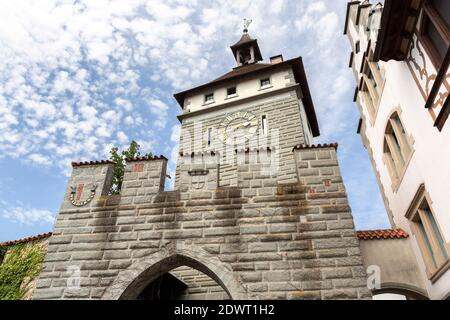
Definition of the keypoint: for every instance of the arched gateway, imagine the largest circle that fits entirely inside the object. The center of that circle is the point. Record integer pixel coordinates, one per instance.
(132, 281)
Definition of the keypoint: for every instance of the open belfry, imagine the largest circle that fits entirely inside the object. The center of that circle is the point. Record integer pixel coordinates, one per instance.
(257, 211)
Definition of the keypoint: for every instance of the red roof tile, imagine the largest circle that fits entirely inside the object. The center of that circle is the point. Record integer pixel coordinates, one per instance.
(381, 234)
(315, 146)
(27, 239)
(91, 163)
(144, 158)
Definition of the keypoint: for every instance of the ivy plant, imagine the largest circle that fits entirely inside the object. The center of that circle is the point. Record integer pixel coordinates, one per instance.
(22, 264)
(119, 157)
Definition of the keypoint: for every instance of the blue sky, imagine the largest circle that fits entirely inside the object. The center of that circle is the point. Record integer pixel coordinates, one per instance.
(77, 77)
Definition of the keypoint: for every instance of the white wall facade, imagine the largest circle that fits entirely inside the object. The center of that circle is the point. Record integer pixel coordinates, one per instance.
(403, 91)
(245, 88)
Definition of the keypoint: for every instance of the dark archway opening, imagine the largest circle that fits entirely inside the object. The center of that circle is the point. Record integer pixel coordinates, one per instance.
(183, 283)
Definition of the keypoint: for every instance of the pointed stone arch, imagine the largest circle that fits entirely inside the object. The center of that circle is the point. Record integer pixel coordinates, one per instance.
(131, 281)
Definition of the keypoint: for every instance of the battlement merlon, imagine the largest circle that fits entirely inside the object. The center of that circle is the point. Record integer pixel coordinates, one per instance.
(144, 178)
(88, 182)
(318, 167)
(198, 171)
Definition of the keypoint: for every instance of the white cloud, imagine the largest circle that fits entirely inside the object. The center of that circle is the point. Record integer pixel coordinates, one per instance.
(123, 138)
(327, 28)
(316, 7)
(175, 133)
(29, 216)
(39, 159)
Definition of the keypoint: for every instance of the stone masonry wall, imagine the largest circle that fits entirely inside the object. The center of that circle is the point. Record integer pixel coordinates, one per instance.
(200, 286)
(261, 239)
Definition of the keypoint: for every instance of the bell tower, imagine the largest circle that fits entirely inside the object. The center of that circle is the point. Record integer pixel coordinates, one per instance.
(246, 50)
(255, 106)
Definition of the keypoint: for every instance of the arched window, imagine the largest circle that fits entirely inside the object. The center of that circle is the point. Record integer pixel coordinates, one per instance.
(397, 148)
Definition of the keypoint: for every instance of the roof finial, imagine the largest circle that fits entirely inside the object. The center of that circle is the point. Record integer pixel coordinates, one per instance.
(246, 24)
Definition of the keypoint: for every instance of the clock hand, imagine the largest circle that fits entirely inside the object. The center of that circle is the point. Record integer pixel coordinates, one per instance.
(242, 125)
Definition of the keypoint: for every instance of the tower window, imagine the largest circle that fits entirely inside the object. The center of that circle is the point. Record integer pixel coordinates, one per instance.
(397, 148)
(209, 136)
(245, 56)
(434, 249)
(209, 98)
(231, 92)
(372, 86)
(264, 124)
(265, 82)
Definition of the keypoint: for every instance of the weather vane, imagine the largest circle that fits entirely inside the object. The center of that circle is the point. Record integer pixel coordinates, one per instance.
(246, 24)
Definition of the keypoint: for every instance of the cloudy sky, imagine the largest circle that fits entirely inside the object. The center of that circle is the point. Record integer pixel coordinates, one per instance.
(78, 76)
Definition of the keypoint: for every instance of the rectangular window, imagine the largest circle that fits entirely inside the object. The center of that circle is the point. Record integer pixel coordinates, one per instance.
(432, 245)
(209, 98)
(209, 136)
(231, 92)
(374, 85)
(357, 47)
(435, 29)
(375, 72)
(264, 124)
(369, 102)
(265, 82)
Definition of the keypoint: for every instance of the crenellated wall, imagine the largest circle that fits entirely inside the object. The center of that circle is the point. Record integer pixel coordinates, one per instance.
(261, 239)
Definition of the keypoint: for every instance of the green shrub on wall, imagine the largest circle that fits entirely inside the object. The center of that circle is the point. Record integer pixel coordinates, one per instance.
(21, 265)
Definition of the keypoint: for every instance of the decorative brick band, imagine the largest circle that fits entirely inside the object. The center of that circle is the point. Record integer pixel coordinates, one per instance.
(27, 239)
(146, 158)
(91, 163)
(315, 146)
(382, 234)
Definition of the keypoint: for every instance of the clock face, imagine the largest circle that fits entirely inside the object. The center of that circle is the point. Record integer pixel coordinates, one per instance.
(238, 127)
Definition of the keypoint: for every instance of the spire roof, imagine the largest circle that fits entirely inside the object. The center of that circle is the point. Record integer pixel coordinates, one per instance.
(245, 38)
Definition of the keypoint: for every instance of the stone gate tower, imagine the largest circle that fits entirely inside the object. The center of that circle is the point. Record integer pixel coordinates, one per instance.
(257, 207)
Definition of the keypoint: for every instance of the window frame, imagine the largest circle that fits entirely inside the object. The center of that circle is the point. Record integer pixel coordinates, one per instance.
(370, 103)
(264, 125)
(430, 15)
(206, 101)
(229, 96)
(427, 239)
(371, 94)
(209, 136)
(397, 148)
(265, 86)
